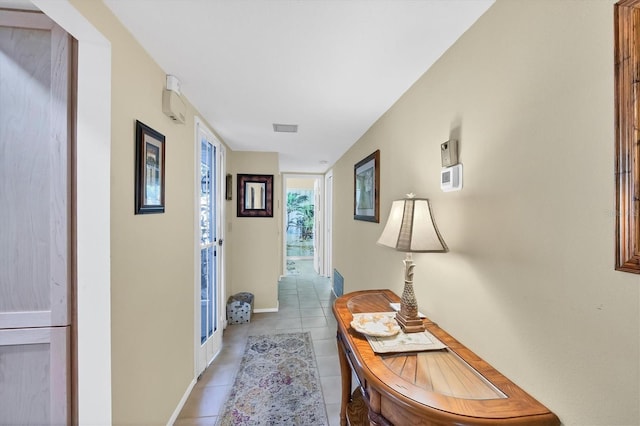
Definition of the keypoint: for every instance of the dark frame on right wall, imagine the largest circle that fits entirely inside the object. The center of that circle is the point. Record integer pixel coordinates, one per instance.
(627, 148)
(366, 188)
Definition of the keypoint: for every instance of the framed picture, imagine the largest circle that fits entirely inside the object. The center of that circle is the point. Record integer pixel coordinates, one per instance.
(627, 152)
(149, 169)
(228, 195)
(366, 189)
(255, 195)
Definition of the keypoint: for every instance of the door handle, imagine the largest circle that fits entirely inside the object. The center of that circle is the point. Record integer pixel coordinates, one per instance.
(220, 241)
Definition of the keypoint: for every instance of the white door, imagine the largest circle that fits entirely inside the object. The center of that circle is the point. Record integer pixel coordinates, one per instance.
(318, 212)
(209, 246)
(317, 228)
(36, 271)
(328, 222)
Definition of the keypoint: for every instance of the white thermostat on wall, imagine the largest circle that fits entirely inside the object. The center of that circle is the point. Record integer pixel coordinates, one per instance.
(451, 178)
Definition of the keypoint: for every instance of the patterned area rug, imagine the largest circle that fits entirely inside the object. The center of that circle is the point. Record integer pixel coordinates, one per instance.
(277, 384)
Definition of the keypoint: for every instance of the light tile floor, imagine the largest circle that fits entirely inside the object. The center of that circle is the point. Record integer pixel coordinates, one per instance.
(305, 305)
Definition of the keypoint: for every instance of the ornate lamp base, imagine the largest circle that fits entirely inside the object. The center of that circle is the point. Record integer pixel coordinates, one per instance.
(410, 325)
(408, 317)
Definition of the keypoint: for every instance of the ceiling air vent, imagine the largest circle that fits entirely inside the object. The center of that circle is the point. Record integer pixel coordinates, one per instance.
(285, 128)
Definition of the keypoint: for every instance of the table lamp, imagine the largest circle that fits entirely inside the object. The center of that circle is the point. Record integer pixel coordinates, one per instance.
(411, 229)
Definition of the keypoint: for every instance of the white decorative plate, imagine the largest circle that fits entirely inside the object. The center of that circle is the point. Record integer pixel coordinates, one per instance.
(380, 324)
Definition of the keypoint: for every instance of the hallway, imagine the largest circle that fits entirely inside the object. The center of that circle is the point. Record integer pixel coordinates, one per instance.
(305, 305)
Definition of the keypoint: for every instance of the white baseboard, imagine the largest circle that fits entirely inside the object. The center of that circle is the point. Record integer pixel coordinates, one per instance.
(257, 311)
(176, 412)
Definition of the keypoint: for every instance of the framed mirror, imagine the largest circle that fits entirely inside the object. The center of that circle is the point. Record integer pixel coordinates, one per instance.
(255, 195)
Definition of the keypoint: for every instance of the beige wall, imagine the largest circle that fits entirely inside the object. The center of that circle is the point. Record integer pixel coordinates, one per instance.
(300, 183)
(255, 250)
(152, 256)
(529, 282)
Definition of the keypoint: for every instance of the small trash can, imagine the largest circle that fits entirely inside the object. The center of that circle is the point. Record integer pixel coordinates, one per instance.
(239, 308)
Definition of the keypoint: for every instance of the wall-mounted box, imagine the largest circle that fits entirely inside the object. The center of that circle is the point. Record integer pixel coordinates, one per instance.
(449, 153)
(451, 178)
(174, 106)
(173, 84)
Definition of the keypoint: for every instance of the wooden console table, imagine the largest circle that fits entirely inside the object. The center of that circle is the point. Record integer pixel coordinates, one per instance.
(446, 387)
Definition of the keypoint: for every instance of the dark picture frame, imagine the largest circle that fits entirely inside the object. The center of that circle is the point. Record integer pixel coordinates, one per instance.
(228, 195)
(366, 188)
(149, 170)
(255, 195)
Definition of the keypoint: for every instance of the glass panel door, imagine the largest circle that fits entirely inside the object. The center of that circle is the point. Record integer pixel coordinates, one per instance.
(210, 247)
(207, 239)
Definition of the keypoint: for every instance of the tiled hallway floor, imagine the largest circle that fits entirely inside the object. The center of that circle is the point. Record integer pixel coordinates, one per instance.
(305, 305)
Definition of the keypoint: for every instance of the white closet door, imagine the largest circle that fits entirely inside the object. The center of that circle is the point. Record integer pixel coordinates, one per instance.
(34, 376)
(34, 187)
(35, 266)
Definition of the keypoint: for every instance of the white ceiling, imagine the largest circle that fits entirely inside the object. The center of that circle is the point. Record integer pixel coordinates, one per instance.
(17, 4)
(332, 67)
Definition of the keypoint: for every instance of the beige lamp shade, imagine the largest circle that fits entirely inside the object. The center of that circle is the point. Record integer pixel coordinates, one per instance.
(411, 228)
